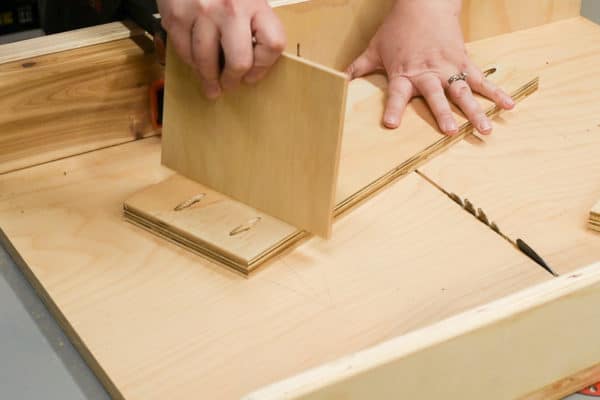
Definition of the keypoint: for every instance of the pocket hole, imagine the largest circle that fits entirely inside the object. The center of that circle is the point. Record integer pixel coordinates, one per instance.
(298, 49)
(245, 227)
(490, 71)
(190, 202)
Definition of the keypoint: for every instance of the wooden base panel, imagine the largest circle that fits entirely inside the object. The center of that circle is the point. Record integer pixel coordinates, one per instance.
(161, 322)
(206, 226)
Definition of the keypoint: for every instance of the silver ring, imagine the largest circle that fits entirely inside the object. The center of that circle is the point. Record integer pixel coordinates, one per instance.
(457, 77)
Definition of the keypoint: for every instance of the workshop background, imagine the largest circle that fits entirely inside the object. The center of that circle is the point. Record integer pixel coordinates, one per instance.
(36, 358)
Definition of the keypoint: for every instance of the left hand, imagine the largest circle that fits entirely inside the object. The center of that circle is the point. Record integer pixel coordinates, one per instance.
(420, 45)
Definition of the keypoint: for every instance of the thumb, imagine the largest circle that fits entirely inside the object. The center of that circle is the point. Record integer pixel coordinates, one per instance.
(366, 63)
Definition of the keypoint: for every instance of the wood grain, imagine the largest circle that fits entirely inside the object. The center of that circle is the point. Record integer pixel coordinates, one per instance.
(274, 146)
(483, 18)
(537, 175)
(509, 345)
(66, 103)
(161, 322)
(335, 32)
(69, 40)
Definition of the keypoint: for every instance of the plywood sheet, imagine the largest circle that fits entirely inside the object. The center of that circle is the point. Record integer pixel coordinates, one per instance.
(274, 146)
(159, 322)
(538, 175)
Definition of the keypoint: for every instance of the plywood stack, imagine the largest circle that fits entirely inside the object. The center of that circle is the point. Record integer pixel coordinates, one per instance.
(595, 218)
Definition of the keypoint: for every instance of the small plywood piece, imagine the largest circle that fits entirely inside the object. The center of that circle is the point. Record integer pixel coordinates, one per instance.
(372, 157)
(594, 221)
(155, 321)
(538, 173)
(274, 146)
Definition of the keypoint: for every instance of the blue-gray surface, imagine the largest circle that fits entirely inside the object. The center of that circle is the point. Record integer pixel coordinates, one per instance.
(37, 361)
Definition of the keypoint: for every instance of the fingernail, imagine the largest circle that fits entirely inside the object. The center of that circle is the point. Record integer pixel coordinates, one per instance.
(450, 127)
(484, 126)
(509, 102)
(212, 89)
(391, 121)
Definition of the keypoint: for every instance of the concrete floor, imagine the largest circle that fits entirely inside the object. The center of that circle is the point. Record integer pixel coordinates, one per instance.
(37, 361)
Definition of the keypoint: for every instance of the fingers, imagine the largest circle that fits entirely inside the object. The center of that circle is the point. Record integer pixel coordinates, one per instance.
(430, 87)
(461, 95)
(483, 86)
(400, 91)
(236, 39)
(270, 43)
(366, 63)
(205, 55)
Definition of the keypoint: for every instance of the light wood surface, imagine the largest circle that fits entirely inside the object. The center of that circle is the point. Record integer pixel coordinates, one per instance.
(66, 103)
(274, 146)
(372, 157)
(537, 175)
(503, 350)
(69, 40)
(334, 32)
(160, 322)
(483, 18)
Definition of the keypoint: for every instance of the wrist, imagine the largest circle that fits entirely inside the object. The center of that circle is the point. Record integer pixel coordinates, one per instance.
(419, 7)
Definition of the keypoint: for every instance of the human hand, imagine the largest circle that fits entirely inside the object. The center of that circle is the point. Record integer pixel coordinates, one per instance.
(198, 28)
(420, 46)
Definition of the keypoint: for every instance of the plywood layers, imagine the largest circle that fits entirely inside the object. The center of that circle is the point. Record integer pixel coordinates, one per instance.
(538, 174)
(594, 221)
(371, 158)
(64, 103)
(159, 322)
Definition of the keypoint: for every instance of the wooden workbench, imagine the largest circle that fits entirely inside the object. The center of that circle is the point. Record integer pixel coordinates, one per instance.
(155, 321)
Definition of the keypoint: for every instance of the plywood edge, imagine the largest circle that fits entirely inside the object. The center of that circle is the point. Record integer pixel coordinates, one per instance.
(521, 344)
(62, 320)
(68, 41)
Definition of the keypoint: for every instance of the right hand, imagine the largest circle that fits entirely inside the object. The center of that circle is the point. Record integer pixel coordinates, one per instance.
(197, 29)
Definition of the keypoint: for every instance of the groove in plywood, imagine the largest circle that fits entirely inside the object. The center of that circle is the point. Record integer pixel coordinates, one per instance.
(164, 323)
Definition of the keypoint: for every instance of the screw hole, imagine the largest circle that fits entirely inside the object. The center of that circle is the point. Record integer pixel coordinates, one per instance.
(490, 71)
(245, 227)
(190, 202)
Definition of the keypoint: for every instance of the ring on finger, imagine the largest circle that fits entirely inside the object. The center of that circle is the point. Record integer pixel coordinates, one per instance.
(457, 77)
